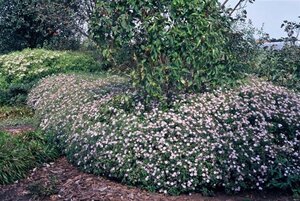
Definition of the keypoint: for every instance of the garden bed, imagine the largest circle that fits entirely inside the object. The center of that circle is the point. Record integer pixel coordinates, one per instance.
(235, 140)
(62, 181)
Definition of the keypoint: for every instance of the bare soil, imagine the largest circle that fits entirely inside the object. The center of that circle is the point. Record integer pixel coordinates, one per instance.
(15, 130)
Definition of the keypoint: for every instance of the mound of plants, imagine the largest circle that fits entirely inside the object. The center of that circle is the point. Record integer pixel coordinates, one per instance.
(19, 71)
(21, 153)
(239, 139)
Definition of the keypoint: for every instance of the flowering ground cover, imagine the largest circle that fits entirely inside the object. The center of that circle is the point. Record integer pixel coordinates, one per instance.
(238, 139)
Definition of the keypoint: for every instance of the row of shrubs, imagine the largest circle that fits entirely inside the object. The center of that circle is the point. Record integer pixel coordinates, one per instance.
(19, 71)
(21, 153)
(238, 139)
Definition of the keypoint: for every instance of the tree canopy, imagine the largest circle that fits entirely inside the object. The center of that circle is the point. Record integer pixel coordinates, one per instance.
(34, 23)
(175, 44)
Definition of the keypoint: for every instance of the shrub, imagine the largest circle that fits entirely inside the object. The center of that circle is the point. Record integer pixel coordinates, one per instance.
(243, 45)
(39, 23)
(281, 66)
(19, 71)
(175, 45)
(244, 138)
(19, 154)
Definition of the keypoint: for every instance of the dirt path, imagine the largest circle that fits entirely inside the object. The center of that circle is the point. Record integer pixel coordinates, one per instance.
(62, 181)
(15, 130)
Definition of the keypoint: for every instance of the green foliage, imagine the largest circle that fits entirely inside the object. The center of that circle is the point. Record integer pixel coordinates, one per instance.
(19, 154)
(34, 23)
(13, 112)
(243, 45)
(292, 29)
(19, 71)
(16, 117)
(281, 66)
(174, 45)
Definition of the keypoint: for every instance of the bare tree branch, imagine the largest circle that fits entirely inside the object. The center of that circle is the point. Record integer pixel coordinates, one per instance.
(236, 6)
(223, 5)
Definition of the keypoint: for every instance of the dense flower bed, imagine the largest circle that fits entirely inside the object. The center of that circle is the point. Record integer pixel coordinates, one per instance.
(246, 138)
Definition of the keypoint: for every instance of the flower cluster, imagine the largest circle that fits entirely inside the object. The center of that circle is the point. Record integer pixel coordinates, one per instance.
(244, 138)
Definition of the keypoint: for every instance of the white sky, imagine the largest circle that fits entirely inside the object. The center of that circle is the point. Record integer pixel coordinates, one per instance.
(272, 13)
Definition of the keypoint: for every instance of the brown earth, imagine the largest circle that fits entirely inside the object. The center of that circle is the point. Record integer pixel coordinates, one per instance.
(15, 130)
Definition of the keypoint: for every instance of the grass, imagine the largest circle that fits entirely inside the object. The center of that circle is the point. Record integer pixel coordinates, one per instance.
(20, 153)
(18, 122)
(10, 112)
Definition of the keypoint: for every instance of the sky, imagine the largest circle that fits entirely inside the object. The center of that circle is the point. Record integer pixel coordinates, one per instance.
(271, 14)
